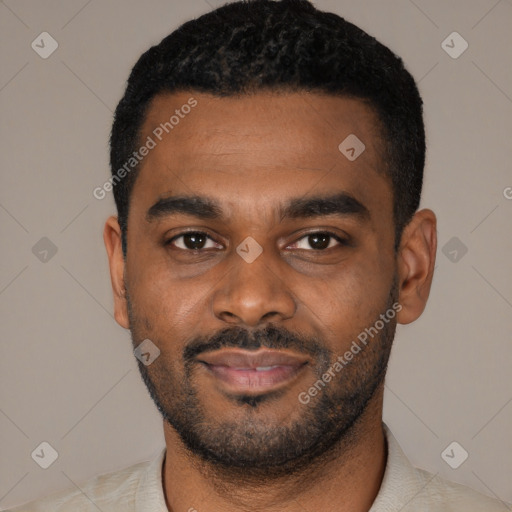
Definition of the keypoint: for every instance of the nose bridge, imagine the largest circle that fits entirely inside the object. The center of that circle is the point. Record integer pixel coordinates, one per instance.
(252, 290)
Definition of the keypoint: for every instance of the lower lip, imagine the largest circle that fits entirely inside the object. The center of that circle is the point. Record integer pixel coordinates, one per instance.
(252, 380)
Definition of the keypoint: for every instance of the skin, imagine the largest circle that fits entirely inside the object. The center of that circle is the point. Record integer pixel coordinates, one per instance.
(252, 154)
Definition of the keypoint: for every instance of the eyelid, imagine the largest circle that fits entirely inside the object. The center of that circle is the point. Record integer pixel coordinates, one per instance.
(169, 241)
(342, 240)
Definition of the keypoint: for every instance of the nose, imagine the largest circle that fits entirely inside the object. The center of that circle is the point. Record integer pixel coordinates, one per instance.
(253, 293)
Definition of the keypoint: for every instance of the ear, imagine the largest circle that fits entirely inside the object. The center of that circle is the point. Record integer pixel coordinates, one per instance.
(416, 259)
(112, 239)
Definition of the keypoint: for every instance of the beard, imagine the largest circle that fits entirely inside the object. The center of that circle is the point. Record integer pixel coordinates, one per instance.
(252, 446)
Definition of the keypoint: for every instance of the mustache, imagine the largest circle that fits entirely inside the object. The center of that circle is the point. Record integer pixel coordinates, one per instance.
(269, 337)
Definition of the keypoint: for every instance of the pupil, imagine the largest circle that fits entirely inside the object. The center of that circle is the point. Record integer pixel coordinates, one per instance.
(194, 241)
(319, 241)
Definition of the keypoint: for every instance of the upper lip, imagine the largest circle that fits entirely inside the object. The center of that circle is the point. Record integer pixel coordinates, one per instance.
(238, 358)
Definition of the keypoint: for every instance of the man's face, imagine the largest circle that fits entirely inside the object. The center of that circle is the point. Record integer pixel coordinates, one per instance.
(277, 255)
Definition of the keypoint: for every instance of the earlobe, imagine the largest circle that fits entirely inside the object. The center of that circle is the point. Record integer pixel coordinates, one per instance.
(112, 239)
(416, 260)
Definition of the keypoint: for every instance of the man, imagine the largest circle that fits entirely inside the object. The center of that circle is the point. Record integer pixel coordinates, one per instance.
(267, 163)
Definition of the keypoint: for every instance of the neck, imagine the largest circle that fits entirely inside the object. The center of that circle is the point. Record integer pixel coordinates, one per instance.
(347, 478)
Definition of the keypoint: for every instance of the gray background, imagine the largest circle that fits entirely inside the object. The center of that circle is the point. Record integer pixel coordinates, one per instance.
(67, 374)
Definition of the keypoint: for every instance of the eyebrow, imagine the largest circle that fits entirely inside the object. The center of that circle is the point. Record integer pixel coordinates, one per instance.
(202, 207)
(195, 206)
(341, 205)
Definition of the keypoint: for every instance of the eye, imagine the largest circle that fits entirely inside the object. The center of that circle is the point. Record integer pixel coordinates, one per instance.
(193, 241)
(318, 241)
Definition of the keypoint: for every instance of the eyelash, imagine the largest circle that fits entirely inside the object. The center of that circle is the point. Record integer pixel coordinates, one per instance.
(341, 241)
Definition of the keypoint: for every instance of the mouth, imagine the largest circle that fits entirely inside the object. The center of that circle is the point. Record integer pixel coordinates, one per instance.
(243, 372)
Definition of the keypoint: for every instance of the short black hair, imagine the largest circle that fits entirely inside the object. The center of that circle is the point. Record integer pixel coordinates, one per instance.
(247, 46)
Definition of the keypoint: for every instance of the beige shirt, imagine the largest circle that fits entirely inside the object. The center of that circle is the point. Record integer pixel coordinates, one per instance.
(139, 489)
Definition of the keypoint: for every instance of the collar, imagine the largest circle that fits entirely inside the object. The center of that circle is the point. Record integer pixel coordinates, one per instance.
(401, 482)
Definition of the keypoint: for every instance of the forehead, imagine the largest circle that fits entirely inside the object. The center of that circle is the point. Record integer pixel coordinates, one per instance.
(269, 145)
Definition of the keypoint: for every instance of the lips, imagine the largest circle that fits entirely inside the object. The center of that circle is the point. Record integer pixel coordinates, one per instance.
(241, 371)
(237, 358)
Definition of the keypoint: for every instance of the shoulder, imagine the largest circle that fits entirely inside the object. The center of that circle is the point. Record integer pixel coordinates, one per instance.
(439, 495)
(409, 489)
(109, 492)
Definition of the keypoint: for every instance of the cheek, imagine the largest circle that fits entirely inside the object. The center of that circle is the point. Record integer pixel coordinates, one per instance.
(170, 305)
(350, 299)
